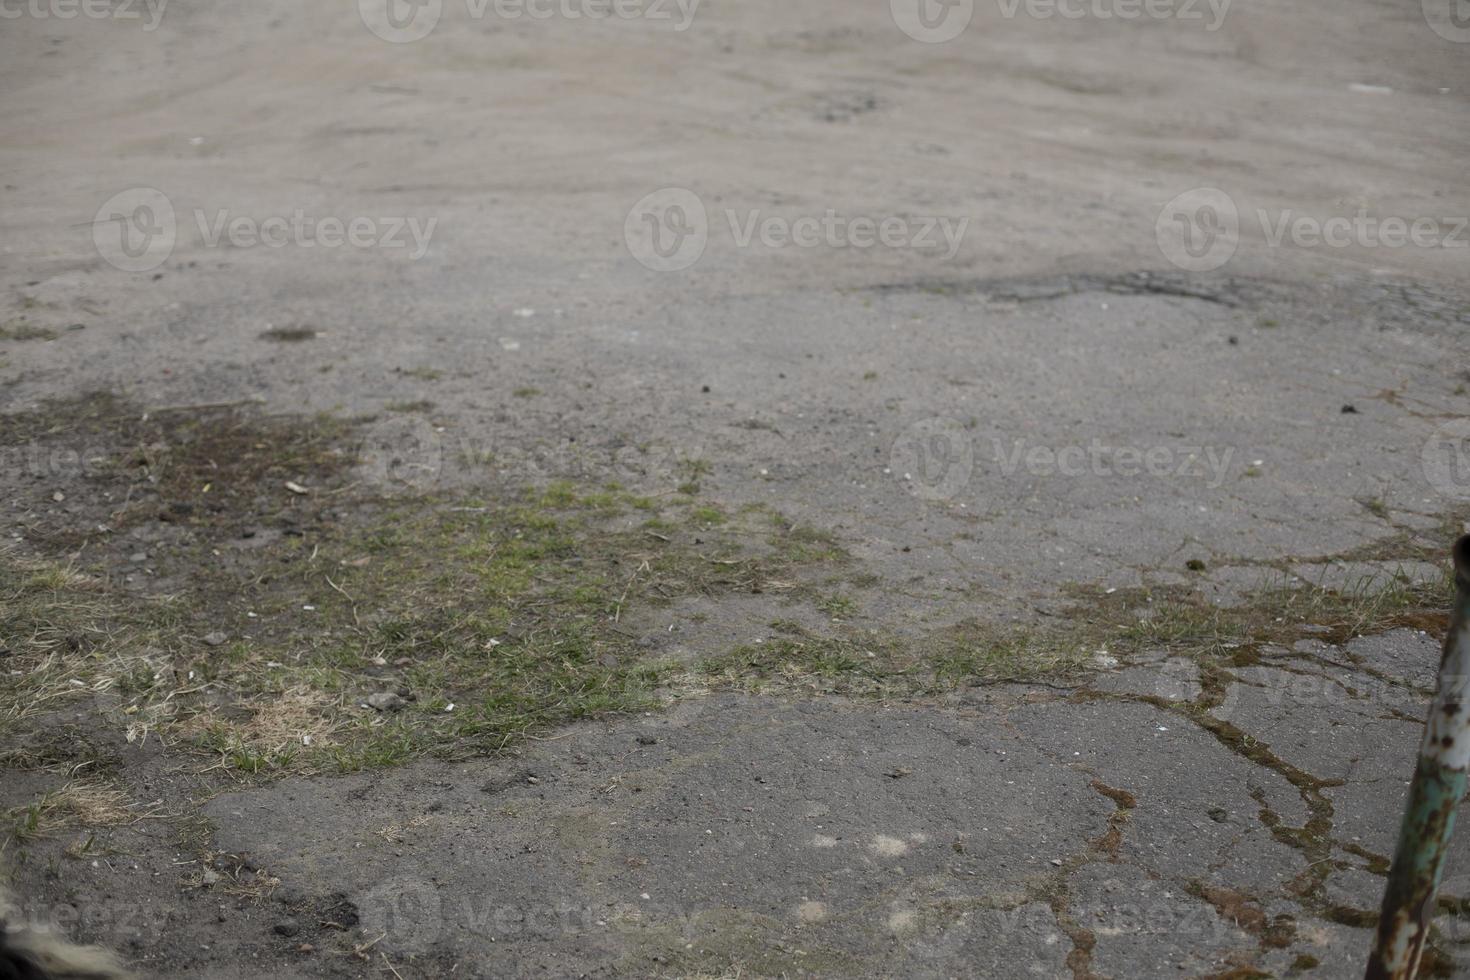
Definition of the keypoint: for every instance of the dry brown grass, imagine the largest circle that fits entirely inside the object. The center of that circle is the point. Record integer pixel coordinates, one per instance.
(85, 803)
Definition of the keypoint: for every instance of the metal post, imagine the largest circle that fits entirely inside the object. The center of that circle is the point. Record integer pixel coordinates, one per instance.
(1439, 785)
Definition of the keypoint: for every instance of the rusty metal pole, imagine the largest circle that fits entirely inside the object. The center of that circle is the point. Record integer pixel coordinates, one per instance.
(1439, 785)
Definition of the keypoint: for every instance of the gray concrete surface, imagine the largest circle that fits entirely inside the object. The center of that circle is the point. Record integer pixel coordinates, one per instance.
(939, 413)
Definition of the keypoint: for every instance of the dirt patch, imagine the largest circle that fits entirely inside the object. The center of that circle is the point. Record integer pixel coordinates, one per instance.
(288, 335)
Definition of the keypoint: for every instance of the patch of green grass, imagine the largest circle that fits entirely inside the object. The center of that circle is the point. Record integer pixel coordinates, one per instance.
(422, 373)
(421, 407)
(871, 664)
(1184, 623)
(808, 657)
(502, 614)
(837, 605)
(288, 335)
(804, 544)
(1179, 626)
(527, 392)
(690, 472)
(19, 330)
(391, 745)
(477, 457)
(974, 653)
(499, 616)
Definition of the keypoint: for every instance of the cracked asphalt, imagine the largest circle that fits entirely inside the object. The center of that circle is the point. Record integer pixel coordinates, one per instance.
(1014, 831)
(1066, 402)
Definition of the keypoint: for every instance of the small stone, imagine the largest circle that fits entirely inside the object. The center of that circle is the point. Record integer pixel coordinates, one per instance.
(647, 740)
(1349, 410)
(215, 639)
(209, 877)
(138, 558)
(286, 928)
(386, 701)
